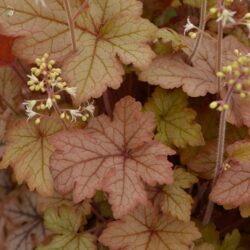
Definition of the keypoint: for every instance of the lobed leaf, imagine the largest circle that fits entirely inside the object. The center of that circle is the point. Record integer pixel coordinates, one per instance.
(65, 222)
(232, 187)
(174, 200)
(23, 213)
(145, 229)
(28, 152)
(171, 71)
(175, 122)
(117, 156)
(108, 29)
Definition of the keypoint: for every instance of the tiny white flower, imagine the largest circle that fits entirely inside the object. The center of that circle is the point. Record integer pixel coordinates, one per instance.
(226, 17)
(90, 108)
(189, 26)
(31, 114)
(74, 114)
(49, 103)
(71, 90)
(29, 104)
(32, 77)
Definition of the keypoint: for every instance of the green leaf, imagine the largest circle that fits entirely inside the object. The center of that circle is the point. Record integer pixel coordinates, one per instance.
(175, 122)
(65, 222)
(176, 201)
(231, 241)
(210, 236)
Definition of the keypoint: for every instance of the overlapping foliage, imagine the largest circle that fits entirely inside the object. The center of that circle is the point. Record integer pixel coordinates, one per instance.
(113, 122)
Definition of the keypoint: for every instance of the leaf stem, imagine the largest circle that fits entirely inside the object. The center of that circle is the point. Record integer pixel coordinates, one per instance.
(202, 26)
(107, 104)
(71, 24)
(220, 153)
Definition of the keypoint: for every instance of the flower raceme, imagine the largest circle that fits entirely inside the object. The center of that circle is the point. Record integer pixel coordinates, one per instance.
(236, 77)
(46, 79)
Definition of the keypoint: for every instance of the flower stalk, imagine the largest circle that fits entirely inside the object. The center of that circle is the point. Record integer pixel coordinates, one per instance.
(202, 26)
(71, 24)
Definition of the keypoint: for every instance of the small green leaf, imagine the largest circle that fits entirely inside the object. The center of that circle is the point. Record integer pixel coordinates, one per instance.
(231, 241)
(174, 200)
(65, 222)
(175, 122)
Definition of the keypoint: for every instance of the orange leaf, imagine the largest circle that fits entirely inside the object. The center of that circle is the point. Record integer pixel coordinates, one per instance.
(117, 156)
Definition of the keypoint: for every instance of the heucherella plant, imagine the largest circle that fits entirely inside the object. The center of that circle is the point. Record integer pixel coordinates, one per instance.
(124, 124)
(46, 78)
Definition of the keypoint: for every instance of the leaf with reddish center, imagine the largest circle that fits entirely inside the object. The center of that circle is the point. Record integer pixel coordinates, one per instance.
(145, 229)
(117, 156)
(6, 56)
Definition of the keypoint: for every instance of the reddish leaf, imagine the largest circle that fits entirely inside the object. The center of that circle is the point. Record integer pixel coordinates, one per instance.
(146, 229)
(233, 186)
(117, 156)
(6, 56)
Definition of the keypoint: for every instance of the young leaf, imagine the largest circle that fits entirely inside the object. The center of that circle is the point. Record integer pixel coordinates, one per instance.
(172, 72)
(65, 223)
(175, 122)
(232, 188)
(145, 229)
(211, 239)
(28, 152)
(231, 241)
(29, 231)
(117, 156)
(109, 28)
(174, 200)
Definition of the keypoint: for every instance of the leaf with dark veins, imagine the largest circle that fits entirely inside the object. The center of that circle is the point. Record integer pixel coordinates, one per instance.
(145, 229)
(117, 156)
(28, 224)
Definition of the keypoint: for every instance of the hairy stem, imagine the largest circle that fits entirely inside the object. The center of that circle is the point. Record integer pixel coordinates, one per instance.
(220, 153)
(107, 104)
(71, 23)
(219, 45)
(202, 26)
(50, 92)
